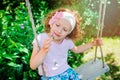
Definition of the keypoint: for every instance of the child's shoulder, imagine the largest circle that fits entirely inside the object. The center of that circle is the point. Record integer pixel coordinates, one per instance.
(68, 40)
(42, 34)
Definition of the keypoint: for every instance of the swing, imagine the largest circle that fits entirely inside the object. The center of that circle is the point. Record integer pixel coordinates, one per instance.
(91, 69)
(96, 67)
(34, 29)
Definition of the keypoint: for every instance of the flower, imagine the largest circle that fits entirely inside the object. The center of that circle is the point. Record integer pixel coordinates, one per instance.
(22, 26)
(57, 16)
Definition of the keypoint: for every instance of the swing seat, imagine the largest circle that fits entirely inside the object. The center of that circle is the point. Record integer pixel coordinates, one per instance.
(92, 69)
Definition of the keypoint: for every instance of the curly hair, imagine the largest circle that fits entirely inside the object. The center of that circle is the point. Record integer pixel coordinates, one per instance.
(77, 32)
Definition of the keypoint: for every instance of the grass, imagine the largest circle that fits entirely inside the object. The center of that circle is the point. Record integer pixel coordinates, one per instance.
(110, 45)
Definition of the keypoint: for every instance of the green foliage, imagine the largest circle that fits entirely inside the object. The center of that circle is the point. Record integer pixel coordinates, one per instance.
(74, 60)
(89, 16)
(118, 1)
(39, 9)
(16, 36)
(113, 74)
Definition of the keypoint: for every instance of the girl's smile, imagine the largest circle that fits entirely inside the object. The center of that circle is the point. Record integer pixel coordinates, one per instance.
(56, 34)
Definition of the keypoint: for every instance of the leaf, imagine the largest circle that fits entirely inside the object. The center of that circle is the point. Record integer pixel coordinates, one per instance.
(10, 56)
(23, 50)
(12, 64)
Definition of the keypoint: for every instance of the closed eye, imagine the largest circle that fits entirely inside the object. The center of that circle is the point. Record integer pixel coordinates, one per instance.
(65, 29)
(57, 25)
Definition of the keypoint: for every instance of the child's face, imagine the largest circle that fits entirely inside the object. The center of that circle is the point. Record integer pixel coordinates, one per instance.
(60, 29)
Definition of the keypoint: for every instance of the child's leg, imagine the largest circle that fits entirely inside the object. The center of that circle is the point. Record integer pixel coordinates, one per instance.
(69, 74)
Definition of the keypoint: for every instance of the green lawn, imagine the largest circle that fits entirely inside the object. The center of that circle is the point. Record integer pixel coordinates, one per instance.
(110, 46)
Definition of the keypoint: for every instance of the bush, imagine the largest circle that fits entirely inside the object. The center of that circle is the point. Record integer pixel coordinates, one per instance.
(114, 73)
(16, 36)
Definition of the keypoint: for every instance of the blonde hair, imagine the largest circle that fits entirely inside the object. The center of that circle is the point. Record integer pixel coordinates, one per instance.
(77, 32)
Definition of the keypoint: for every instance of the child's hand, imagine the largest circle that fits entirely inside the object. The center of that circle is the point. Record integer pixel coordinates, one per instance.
(97, 42)
(46, 45)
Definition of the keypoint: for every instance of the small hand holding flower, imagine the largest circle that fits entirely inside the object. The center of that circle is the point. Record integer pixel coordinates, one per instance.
(46, 45)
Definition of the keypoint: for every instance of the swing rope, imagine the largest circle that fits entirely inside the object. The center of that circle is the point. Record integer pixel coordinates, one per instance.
(100, 27)
(95, 67)
(34, 30)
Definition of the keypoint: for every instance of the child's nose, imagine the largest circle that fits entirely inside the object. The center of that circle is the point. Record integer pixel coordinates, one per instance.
(60, 30)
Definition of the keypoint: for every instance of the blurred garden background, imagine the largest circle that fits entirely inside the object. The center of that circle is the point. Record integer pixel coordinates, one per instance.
(16, 35)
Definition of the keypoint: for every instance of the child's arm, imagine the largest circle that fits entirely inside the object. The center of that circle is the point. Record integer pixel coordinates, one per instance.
(38, 56)
(81, 48)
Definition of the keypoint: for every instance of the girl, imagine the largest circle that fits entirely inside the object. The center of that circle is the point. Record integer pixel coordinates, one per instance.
(61, 27)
